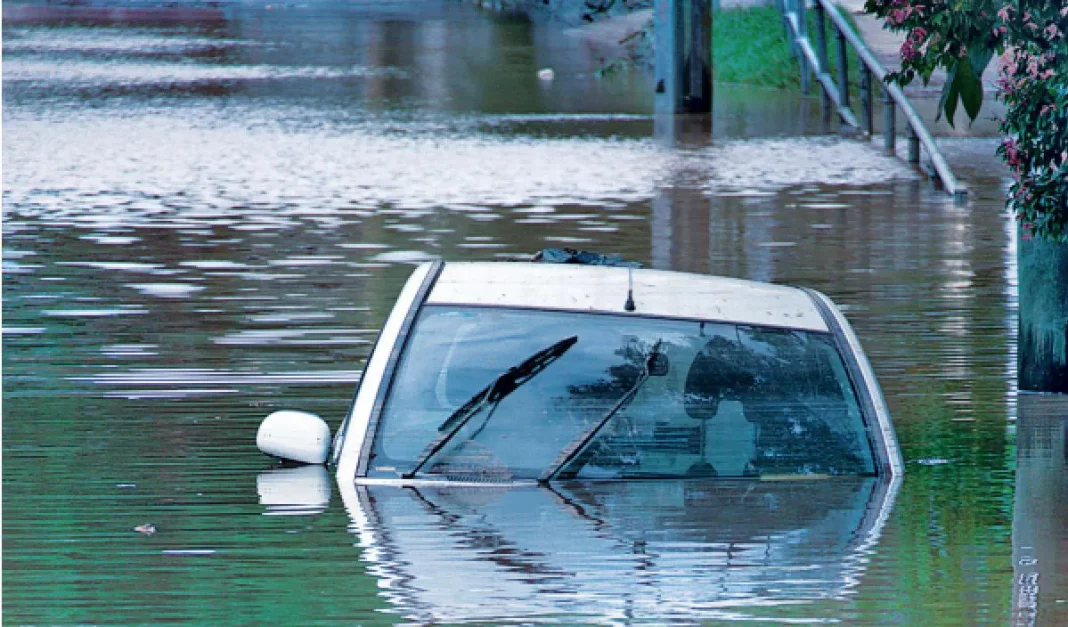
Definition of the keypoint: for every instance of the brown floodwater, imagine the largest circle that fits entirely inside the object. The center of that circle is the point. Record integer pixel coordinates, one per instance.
(207, 214)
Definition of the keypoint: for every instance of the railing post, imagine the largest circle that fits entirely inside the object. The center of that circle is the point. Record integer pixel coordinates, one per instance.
(821, 36)
(866, 98)
(821, 50)
(802, 31)
(843, 71)
(787, 10)
(889, 120)
(914, 146)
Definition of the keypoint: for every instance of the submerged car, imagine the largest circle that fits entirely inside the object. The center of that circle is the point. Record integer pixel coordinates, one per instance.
(513, 372)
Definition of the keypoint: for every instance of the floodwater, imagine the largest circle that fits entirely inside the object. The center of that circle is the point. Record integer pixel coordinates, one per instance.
(207, 214)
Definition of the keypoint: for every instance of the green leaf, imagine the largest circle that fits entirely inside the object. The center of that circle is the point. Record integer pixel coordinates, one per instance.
(926, 74)
(950, 94)
(971, 76)
(970, 87)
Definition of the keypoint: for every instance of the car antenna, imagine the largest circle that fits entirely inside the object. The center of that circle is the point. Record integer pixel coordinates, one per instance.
(629, 305)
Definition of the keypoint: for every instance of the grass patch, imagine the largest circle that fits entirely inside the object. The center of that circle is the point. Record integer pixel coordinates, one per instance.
(749, 47)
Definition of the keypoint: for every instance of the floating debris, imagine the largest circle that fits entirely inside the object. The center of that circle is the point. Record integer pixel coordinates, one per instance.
(148, 529)
(546, 74)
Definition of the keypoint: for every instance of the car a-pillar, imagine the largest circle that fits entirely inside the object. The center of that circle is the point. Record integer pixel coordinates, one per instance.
(1042, 353)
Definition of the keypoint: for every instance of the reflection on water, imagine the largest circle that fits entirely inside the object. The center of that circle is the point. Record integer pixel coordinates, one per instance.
(209, 211)
(618, 552)
(1039, 530)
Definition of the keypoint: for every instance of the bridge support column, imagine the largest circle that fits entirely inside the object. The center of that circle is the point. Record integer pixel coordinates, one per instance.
(1042, 352)
(683, 56)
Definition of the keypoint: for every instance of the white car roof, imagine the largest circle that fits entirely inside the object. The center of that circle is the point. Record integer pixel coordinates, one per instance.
(572, 287)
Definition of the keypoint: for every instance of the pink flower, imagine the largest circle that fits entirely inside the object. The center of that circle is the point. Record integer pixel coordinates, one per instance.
(1004, 13)
(1004, 81)
(918, 34)
(909, 51)
(1012, 152)
(1052, 32)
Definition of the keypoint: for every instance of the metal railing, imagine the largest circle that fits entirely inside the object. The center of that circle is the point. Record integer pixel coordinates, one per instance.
(813, 62)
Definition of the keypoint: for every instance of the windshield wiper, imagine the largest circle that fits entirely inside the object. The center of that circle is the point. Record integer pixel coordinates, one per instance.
(654, 365)
(492, 394)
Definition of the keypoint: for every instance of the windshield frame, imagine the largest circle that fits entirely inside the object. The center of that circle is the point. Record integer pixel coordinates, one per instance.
(882, 455)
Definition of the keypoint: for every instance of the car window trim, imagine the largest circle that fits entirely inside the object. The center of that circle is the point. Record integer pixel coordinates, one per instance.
(388, 374)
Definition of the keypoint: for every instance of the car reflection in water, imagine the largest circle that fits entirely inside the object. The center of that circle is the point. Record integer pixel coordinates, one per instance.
(611, 552)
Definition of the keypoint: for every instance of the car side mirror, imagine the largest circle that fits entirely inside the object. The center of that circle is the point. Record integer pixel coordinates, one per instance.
(296, 436)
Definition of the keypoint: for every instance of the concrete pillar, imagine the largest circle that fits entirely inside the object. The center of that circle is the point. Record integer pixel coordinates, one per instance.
(667, 28)
(698, 98)
(1043, 341)
(683, 31)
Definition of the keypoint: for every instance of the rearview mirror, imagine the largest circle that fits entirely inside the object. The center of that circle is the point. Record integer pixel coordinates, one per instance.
(658, 365)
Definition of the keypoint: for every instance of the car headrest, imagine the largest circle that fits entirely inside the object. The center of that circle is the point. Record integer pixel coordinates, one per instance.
(718, 372)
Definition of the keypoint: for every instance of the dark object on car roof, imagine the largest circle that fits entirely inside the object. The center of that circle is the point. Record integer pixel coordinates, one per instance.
(570, 255)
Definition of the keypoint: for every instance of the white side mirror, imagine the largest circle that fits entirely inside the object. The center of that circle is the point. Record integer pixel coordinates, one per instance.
(295, 436)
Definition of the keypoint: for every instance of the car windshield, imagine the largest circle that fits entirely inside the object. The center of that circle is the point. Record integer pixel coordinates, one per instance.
(494, 394)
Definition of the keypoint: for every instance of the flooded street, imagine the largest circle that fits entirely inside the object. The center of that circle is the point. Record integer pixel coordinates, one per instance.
(207, 216)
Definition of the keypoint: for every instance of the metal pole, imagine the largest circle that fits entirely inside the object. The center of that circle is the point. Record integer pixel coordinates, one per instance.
(802, 31)
(843, 71)
(889, 120)
(821, 37)
(821, 51)
(914, 146)
(787, 10)
(866, 98)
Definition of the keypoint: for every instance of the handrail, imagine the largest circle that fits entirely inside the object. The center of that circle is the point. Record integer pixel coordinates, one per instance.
(838, 93)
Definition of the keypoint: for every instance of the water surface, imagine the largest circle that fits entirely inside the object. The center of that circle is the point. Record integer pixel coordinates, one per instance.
(208, 213)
